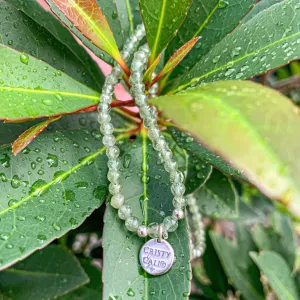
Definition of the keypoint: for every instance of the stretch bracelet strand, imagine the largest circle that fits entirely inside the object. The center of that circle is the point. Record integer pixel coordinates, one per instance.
(149, 116)
(197, 247)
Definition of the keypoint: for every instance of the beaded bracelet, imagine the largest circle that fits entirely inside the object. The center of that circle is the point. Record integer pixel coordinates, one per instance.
(149, 116)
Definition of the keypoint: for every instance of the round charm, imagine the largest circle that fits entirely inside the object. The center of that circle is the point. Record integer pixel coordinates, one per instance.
(157, 257)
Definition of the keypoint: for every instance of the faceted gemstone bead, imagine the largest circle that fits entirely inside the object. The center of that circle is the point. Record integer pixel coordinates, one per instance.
(132, 223)
(125, 212)
(117, 200)
(170, 223)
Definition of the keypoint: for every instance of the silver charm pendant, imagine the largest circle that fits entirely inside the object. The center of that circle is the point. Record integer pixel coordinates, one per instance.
(157, 257)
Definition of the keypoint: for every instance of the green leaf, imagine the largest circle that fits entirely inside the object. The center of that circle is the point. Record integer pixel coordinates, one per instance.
(88, 18)
(203, 154)
(148, 74)
(238, 265)
(279, 237)
(48, 92)
(176, 58)
(162, 18)
(218, 198)
(210, 19)
(297, 280)
(146, 186)
(278, 274)
(46, 274)
(267, 41)
(129, 14)
(27, 137)
(235, 119)
(197, 174)
(112, 15)
(90, 291)
(256, 210)
(214, 269)
(49, 189)
(49, 41)
(260, 7)
(9, 132)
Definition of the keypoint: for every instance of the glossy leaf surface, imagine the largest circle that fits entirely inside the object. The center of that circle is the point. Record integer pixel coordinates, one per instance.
(91, 290)
(89, 19)
(56, 46)
(218, 198)
(49, 189)
(197, 174)
(210, 19)
(267, 41)
(187, 142)
(235, 119)
(260, 7)
(30, 88)
(177, 57)
(129, 15)
(162, 18)
(214, 269)
(46, 274)
(146, 186)
(278, 274)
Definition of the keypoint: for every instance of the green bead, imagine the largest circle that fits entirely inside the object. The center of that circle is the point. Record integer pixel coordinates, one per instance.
(132, 223)
(170, 223)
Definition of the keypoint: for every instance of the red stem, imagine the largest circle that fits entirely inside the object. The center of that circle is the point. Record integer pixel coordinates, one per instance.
(117, 103)
(130, 112)
(158, 77)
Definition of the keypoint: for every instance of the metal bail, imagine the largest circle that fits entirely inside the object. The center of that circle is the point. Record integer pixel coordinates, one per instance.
(160, 233)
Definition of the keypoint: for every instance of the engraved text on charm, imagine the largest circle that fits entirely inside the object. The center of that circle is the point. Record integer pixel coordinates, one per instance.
(156, 257)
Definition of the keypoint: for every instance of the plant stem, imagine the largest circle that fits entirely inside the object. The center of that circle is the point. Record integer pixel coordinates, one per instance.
(118, 103)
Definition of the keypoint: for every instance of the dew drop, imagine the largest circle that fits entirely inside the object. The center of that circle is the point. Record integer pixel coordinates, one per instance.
(52, 160)
(216, 59)
(229, 72)
(236, 51)
(56, 227)
(41, 238)
(9, 246)
(130, 292)
(189, 139)
(126, 160)
(24, 58)
(12, 202)
(5, 161)
(4, 236)
(58, 97)
(145, 178)
(38, 188)
(15, 182)
(114, 15)
(40, 218)
(3, 177)
(73, 222)
(82, 185)
(223, 4)
(47, 102)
